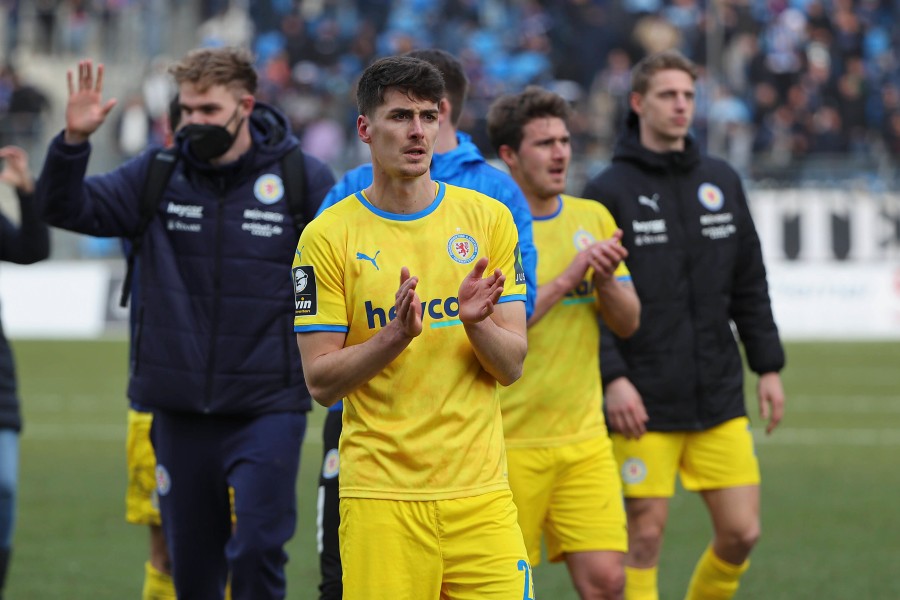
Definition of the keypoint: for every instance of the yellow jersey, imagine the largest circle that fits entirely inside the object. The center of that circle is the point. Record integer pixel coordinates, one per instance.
(558, 399)
(428, 426)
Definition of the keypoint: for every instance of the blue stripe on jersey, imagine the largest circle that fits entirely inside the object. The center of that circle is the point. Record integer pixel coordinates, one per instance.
(446, 323)
(310, 328)
(559, 205)
(411, 217)
(512, 298)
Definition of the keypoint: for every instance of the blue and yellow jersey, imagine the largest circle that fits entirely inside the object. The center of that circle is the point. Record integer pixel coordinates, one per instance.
(558, 399)
(428, 426)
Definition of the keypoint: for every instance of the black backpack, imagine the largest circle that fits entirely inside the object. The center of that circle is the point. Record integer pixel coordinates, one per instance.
(293, 173)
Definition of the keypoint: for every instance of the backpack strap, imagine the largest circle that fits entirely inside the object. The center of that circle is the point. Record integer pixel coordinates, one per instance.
(158, 174)
(293, 172)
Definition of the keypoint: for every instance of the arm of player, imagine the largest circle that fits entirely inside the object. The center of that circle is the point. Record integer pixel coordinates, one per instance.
(625, 408)
(620, 306)
(333, 370)
(771, 399)
(556, 289)
(496, 331)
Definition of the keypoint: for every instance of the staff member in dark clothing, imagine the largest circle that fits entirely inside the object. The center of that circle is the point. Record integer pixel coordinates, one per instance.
(212, 355)
(28, 243)
(674, 391)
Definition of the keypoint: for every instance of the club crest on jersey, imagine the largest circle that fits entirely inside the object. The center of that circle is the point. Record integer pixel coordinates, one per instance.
(582, 239)
(462, 248)
(634, 471)
(269, 188)
(331, 466)
(163, 481)
(710, 196)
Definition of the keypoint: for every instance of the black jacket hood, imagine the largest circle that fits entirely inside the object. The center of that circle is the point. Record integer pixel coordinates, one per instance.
(629, 149)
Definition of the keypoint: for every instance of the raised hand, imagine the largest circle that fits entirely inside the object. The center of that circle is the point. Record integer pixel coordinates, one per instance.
(478, 294)
(408, 305)
(15, 169)
(85, 110)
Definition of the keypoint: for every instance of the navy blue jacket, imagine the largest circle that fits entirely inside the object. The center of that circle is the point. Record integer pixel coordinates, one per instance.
(697, 266)
(26, 244)
(214, 331)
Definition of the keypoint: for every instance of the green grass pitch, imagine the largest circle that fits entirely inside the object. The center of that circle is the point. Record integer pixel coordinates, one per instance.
(831, 528)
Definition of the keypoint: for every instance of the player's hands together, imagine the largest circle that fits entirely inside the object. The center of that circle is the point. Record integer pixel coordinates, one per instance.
(85, 109)
(771, 399)
(408, 305)
(15, 169)
(574, 273)
(625, 408)
(478, 294)
(605, 257)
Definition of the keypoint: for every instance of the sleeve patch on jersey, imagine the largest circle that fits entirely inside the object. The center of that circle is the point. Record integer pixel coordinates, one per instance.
(305, 299)
(520, 271)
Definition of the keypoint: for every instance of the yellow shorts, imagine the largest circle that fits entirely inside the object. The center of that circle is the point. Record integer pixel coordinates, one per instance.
(461, 549)
(141, 502)
(570, 493)
(720, 457)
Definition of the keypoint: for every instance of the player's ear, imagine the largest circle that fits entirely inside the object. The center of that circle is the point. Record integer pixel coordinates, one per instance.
(635, 101)
(362, 128)
(444, 110)
(507, 155)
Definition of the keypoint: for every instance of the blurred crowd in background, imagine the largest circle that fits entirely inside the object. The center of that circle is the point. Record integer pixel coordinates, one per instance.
(789, 90)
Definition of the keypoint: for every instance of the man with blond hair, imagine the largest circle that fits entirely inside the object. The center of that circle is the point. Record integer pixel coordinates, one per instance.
(212, 353)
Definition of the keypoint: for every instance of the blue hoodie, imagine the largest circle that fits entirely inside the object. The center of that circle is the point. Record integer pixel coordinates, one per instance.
(214, 332)
(464, 166)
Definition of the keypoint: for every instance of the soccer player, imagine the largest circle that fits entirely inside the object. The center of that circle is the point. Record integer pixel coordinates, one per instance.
(674, 391)
(27, 243)
(410, 305)
(561, 467)
(456, 161)
(212, 353)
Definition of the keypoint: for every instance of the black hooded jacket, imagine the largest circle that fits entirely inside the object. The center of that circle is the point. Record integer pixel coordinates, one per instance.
(697, 266)
(25, 244)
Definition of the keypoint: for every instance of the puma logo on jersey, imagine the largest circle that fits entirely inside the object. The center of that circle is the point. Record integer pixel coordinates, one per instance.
(652, 202)
(371, 259)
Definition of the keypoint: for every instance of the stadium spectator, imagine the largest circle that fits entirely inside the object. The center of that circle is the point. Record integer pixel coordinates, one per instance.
(674, 391)
(27, 243)
(422, 449)
(212, 357)
(561, 467)
(455, 161)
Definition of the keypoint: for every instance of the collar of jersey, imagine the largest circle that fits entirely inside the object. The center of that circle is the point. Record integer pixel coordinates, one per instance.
(559, 205)
(438, 197)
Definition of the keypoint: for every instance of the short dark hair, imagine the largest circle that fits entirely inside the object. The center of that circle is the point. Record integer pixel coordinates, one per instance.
(456, 84)
(228, 66)
(666, 60)
(412, 76)
(509, 114)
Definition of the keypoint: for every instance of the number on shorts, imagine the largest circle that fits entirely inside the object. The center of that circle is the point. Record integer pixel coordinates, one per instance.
(524, 566)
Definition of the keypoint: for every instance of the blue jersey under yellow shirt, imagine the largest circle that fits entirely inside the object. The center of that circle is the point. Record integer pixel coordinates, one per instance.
(558, 398)
(428, 426)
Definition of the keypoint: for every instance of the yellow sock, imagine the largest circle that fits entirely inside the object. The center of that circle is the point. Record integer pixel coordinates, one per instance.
(640, 584)
(715, 579)
(157, 585)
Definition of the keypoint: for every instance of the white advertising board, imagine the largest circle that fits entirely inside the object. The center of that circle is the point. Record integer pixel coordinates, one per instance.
(54, 299)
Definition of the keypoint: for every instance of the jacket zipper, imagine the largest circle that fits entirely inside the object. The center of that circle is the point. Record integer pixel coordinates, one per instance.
(216, 296)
